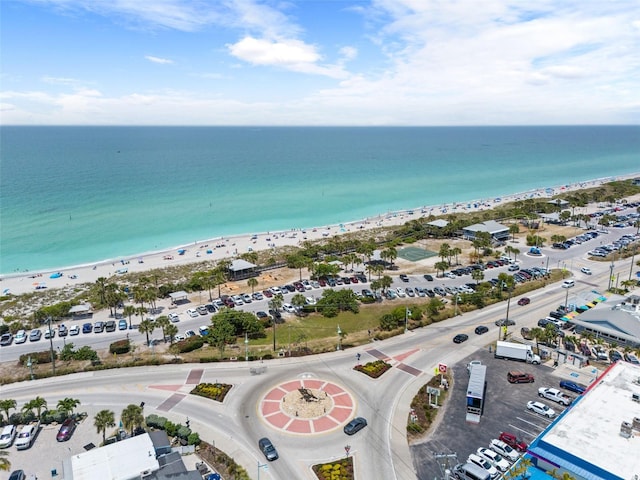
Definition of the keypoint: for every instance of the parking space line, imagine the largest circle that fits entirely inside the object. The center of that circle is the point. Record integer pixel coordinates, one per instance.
(524, 431)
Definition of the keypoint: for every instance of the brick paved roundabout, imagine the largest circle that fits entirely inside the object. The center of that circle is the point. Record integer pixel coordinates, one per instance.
(307, 406)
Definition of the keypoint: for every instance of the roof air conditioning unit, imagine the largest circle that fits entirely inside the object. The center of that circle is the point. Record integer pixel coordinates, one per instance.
(636, 423)
(626, 430)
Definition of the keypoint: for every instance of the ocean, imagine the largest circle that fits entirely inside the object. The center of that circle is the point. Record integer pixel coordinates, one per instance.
(77, 195)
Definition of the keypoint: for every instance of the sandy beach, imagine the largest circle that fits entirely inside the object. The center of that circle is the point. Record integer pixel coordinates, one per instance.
(231, 247)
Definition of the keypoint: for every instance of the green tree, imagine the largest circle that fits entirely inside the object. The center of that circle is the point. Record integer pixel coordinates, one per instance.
(104, 419)
(276, 302)
(513, 229)
(6, 405)
(163, 322)
(221, 333)
(253, 283)
(129, 311)
(67, 405)
(298, 300)
(389, 254)
(147, 326)
(132, 417)
(37, 403)
(441, 266)
(171, 331)
(5, 464)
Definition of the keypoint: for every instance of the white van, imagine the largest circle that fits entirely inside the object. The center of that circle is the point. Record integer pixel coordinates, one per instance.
(469, 471)
(568, 284)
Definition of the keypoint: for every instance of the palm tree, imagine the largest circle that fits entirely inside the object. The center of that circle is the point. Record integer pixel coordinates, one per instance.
(147, 326)
(163, 322)
(276, 302)
(38, 403)
(6, 405)
(298, 300)
(171, 331)
(129, 311)
(140, 312)
(477, 275)
(390, 254)
(5, 464)
(132, 417)
(104, 419)
(253, 283)
(67, 405)
(441, 266)
(455, 251)
(101, 282)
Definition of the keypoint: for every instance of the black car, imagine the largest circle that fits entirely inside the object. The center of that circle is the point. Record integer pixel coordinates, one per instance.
(404, 278)
(504, 322)
(461, 337)
(355, 425)
(481, 329)
(17, 475)
(614, 355)
(428, 278)
(268, 449)
(63, 331)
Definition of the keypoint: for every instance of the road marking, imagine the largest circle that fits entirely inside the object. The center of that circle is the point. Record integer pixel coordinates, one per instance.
(524, 431)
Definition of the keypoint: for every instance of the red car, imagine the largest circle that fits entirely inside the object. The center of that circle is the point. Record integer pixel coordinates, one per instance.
(524, 301)
(66, 430)
(513, 441)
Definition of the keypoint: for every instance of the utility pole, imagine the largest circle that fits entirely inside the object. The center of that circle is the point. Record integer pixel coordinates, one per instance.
(339, 338)
(445, 461)
(246, 347)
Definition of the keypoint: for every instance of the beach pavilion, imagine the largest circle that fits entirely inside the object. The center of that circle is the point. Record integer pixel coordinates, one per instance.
(241, 269)
(498, 232)
(80, 311)
(179, 297)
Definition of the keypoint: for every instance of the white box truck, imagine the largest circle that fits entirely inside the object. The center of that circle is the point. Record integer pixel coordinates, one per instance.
(516, 351)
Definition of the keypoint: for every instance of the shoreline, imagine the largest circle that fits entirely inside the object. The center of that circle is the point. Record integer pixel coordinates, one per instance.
(218, 248)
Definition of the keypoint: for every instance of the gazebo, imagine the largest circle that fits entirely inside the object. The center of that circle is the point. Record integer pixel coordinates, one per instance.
(241, 269)
(81, 311)
(179, 297)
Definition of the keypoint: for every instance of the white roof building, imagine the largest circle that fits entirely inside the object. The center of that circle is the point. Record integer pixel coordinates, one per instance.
(598, 437)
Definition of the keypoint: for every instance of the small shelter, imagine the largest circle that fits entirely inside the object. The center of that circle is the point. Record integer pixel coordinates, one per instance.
(81, 311)
(498, 232)
(179, 297)
(241, 269)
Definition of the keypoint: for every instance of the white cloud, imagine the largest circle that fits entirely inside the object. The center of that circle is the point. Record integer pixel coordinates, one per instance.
(163, 61)
(270, 52)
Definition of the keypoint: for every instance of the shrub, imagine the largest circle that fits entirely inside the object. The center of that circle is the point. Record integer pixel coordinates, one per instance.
(190, 344)
(120, 347)
(156, 421)
(38, 357)
(193, 439)
(183, 432)
(214, 391)
(373, 369)
(171, 428)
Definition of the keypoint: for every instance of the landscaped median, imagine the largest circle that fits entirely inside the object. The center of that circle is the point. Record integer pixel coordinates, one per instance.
(338, 470)
(423, 410)
(373, 369)
(213, 391)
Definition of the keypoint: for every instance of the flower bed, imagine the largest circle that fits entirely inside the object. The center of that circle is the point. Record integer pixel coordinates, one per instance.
(338, 470)
(373, 369)
(214, 391)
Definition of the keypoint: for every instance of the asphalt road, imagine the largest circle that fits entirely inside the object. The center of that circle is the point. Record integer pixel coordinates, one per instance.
(380, 450)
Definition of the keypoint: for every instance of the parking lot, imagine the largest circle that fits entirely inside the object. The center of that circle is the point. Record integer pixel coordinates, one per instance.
(504, 410)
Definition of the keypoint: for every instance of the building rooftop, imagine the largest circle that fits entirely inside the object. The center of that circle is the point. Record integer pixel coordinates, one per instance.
(490, 226)
(586, 440)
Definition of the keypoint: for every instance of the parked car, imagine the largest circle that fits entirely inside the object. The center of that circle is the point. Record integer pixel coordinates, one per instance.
(35, 335)
(494, 458)
(513, 441)
(267, 448)
(26, 436)
(49, 333)
(404, 278)
(20, 337)
(193, 313)
(614, 356)
(355, 425)
(519, 377)
(63, 331)
(74, 330)
(631, 358)
(572, 386)
(17, 475)
(110, 326)
(87, 328)
(98, 327)
(122, 324)
(481, 329)
(66, 430)
(202, 310)
(524, 301)
(482, 463)
(428, 278)
(174, 317)
(287, 307)
(6, 339)
(461, 337)
(8, 435)
(505, 450)
(541, 409)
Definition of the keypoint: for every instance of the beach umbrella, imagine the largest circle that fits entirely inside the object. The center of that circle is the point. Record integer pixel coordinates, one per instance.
(5, 291)
(55, 275)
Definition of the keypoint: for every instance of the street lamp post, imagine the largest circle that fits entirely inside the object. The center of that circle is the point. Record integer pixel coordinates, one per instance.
(610, 275)
(246, 347)
(339, 338)
(506, 320)
(30, 366)
(406, 319)
(53, 356)
(566, 301)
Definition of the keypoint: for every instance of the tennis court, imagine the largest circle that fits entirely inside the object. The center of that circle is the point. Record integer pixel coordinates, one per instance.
(414, 254)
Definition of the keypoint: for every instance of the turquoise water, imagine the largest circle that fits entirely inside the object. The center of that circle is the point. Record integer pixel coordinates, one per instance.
(75, 195)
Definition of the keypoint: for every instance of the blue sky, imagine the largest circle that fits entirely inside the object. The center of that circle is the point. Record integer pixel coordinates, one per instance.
(319, 62)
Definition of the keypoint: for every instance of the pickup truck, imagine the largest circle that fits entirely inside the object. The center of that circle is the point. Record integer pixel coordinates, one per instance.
(555, 395)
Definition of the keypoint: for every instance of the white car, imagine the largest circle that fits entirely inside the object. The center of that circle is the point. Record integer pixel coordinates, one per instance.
(450, 275)
(310, 301)
(246, 298)
(74, 330)
(173, 317)
(568, 283)
(287, 307)
(541, 409)
(237, 299)
(586, 270)
(193, 313)
(26, 436)
(258, 296)
(505, 450)
(20, 337)
(494, 458)
(482, 463)
(179, 338)
(401, 292)
(189, 333)
(275, 290)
